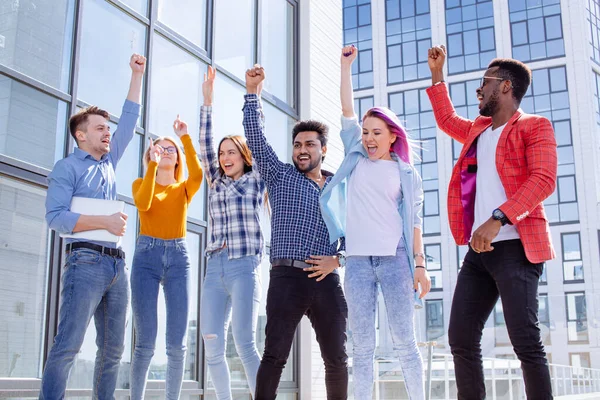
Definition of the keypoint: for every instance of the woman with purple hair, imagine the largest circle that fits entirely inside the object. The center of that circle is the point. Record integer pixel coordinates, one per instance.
(374, 201)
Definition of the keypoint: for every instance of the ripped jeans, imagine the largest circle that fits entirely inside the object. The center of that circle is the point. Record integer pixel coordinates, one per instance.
(231, 292)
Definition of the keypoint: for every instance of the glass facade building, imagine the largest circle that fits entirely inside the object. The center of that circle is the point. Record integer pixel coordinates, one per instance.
(61, 55)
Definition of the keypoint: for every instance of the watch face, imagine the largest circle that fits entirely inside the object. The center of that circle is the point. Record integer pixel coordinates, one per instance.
(497, 214)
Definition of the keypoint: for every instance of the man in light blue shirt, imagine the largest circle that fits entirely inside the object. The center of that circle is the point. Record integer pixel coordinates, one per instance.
(94, 282)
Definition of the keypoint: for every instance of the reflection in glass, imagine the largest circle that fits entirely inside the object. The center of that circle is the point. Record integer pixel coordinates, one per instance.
(37, 38)
(536, 29)
(235, 35)
(434, 310)
(277, 48)
(186, 17)
(140, 6)
(577, 327)
(128, 167)
(33, 125)
(104, 71)
(24, 244)
(177, 79)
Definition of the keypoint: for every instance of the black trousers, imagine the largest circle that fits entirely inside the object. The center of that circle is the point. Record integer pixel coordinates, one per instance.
(504, 272)
(292, 295)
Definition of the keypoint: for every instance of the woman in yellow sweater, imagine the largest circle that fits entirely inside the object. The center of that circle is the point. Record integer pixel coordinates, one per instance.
(161, 256)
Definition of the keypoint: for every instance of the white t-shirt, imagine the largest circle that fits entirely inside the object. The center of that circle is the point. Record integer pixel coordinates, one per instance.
(490, 193)
(373, 222)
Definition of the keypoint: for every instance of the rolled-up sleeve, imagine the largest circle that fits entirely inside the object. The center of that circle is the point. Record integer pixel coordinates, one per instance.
(61, 183)
(418, 200)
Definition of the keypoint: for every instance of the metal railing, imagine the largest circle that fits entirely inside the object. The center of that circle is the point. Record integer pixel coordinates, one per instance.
(504, 379)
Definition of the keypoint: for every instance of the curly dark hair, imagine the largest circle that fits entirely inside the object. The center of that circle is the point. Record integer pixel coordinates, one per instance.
(516, 72)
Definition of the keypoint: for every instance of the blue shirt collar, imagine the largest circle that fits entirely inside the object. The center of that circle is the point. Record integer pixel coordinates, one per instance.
(82, 155)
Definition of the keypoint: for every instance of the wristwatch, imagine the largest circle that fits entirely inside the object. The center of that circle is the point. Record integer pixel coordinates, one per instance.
(498, 215)
(341, 257)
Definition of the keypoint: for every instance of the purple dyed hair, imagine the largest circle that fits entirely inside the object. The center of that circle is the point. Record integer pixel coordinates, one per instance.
(402, 146)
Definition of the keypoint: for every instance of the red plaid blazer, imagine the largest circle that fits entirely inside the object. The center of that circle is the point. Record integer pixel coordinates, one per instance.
(526, 160)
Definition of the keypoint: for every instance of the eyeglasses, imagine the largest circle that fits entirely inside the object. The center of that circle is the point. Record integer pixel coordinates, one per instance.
(169, 150)
(483, 78)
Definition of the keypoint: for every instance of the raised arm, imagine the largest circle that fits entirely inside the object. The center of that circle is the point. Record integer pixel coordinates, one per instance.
(349, 54)
(351, 130)
(131, 110)
(143, 189)
(138, 66)
(194, 180)
(208, 157)
(445, 115)
(269, 165)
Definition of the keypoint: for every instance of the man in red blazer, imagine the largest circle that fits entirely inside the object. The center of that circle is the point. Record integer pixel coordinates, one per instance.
(507, 167)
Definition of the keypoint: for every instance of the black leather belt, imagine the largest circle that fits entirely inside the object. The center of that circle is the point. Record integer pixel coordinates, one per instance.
(288, 262)
(109, 251)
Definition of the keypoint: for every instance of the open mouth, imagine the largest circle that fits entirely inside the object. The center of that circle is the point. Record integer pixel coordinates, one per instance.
(480, 98)
(371, 150)
(227, 166)
(303, 158)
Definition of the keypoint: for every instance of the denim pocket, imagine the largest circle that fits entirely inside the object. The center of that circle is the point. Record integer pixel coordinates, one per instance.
(84, 256)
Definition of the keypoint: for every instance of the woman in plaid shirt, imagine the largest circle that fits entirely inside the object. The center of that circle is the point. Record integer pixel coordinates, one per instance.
(231, 290)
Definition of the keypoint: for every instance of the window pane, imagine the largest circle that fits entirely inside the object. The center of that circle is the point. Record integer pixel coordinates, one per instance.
(83, 369)
(41, 117)
(177, 89)
(24, 273)
(235, 33)
(140, 6)
(186, 17)
(433, 254)
(277, 48)
(128, 167)
(104, 71)
(435, 319)
(278, 128)
(571, 249)
(37, 37)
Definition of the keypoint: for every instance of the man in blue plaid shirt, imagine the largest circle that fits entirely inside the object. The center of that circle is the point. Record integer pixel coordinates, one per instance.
(303, 280)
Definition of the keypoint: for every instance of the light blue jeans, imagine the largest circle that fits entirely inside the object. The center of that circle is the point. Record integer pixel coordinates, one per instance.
(393, 275)
(166, 262)
(231, 292)
(93, 284)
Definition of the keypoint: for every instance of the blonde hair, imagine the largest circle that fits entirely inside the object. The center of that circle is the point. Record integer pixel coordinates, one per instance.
(179, 176)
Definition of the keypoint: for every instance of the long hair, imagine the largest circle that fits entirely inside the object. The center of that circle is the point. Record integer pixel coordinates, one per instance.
(404, 147)
(242, 146)
(178, 166)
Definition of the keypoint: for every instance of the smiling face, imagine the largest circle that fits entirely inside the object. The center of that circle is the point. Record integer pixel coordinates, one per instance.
(169, 157)
(94, 137)
(231, 160)
(308, 151)
(377, 139)
(488, 93)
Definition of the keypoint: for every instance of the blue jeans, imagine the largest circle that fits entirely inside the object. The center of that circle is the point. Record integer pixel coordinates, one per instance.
(93, 284)
(166, 262)
(392, 273)
(231, 292)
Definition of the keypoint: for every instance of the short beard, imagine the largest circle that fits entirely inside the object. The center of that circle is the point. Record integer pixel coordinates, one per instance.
(491, 107)
(312, 165)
